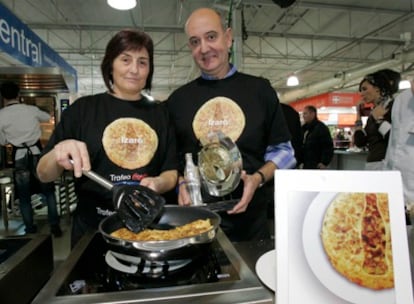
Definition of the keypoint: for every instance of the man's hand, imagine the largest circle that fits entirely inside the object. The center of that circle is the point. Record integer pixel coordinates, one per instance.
(251, 183)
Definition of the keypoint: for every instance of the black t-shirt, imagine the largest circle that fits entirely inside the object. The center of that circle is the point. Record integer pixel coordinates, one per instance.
(264, 123)
(259, 123)
(86, 120)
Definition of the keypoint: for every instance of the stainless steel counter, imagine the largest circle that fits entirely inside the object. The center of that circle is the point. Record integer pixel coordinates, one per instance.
(252, 251)
(248, 289)
(348, 160)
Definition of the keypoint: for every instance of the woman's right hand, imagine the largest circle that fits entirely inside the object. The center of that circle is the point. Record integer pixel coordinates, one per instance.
(378, 112)
(52, 164)
(73, 155)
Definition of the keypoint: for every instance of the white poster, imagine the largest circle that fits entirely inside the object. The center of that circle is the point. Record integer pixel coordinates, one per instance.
(341, 237)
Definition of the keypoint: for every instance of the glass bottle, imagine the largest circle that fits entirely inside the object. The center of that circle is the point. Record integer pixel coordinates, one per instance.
(192, 178)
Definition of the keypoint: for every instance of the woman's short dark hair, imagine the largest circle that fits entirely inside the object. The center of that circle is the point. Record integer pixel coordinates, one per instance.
(125, 40)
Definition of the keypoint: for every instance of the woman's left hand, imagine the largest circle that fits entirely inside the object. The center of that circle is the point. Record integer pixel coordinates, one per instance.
(162, 183)
(151, 182)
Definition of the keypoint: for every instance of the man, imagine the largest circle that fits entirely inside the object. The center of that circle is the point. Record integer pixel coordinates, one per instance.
(20, 127)
(317, 141)
(243, 107)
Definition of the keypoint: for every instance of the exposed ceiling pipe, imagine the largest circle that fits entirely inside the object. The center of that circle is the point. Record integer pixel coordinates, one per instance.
(343, 77)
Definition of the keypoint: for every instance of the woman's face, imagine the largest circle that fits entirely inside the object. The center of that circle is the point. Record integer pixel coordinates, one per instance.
(130, 70)
(369, 93)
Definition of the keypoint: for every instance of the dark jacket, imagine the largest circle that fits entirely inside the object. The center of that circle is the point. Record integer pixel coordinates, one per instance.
(376, 142)
(317, 144)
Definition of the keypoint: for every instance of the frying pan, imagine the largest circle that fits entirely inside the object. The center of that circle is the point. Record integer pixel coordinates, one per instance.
(171, 215)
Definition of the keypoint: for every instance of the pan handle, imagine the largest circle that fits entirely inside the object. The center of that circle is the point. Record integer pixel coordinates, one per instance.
(96, 178)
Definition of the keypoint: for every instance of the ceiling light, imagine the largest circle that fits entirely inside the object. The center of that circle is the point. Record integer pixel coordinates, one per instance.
(404, 84)
(292, 81)
(122, 4)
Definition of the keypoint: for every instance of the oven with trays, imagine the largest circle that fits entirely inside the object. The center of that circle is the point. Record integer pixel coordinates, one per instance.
(94, 274)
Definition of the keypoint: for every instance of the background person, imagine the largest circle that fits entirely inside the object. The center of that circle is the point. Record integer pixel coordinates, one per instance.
(292, 118)
(256, 123)
(20, 127)
(400, 153)
(375, 88)
(317, 141)
(400, 150)
(108, 133)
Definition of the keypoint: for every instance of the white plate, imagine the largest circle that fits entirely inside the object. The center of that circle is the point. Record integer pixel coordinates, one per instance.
(322, 268)
(266, 269)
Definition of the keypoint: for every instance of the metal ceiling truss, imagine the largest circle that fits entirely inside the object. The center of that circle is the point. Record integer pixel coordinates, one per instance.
(315, 39)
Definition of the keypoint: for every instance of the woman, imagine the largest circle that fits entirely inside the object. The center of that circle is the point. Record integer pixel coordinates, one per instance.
(119, 134)
(376, 89)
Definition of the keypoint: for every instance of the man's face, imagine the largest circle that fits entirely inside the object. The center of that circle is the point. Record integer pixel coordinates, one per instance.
(209, 43)
(308, 115)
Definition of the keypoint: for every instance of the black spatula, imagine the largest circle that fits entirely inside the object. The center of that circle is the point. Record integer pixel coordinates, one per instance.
(137, 206)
